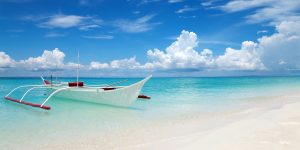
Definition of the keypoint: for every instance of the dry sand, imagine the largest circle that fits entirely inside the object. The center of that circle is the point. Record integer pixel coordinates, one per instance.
(273, 124)
(269, 124)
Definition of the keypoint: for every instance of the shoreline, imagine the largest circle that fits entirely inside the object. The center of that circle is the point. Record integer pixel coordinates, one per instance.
(269, 124)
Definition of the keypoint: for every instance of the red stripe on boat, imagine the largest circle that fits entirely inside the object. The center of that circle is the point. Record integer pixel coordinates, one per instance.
(28, 103)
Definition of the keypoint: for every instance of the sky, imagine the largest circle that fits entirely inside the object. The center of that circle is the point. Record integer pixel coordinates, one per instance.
(141, 37)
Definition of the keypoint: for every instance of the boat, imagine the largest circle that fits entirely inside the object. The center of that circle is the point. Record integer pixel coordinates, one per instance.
(122, 96)
(111, 94)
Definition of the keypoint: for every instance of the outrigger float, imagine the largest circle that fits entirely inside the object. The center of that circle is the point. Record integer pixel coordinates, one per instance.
(122, 96)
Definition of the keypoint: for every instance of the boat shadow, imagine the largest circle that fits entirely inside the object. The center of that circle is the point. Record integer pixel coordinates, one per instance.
(104, 105)
(54, 105)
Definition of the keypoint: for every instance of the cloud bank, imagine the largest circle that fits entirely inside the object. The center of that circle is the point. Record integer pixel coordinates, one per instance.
(49, 60)
(280, 51)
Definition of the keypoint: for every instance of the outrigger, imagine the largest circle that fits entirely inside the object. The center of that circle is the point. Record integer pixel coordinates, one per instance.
(122, 96)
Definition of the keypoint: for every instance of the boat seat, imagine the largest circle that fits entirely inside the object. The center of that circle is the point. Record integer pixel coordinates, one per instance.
(73, 84)
(108, 88)
(46, 82)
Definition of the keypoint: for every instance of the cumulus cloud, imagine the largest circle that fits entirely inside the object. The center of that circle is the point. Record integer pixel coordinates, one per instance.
(282, 49)
(6, 61)
(73, 65)
(95, 65)
(279, 51)
(127, 63)
(180, 54)
(49, 60)
(130, 63)
(247, 58)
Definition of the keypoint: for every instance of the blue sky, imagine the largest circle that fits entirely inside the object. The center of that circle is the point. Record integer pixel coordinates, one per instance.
(196, 37)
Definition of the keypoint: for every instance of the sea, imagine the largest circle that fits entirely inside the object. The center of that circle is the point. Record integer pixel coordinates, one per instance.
(68, 120)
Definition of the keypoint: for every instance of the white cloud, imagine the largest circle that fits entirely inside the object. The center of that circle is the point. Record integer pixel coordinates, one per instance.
(6, 61)
(83, 23)
(186, 8)
(88, 27)
(105, 37)
(94, 65)
(273, 11)
(187, 17)
(239, 5)
(281, 51)
(73, 66)
(175, 1)
(127, 63)
(247, 58)
(208, 3)
(139, 25)
(262, 31)
(218, 42)
(148, 1)
(49, 60)
(63, 21)
(180, 54)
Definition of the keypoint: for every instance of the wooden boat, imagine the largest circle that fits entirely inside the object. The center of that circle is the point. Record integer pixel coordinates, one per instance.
(122, 96)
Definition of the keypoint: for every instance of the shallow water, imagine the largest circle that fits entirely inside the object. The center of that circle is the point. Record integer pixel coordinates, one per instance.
(170, 97)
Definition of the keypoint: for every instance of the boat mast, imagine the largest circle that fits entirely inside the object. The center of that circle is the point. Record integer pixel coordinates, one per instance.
(56, 73)
(77, 68)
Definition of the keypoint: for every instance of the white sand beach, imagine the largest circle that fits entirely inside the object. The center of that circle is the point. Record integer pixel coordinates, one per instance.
(270, 124)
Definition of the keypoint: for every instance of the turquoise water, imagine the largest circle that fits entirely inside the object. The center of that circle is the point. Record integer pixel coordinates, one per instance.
(171, 97)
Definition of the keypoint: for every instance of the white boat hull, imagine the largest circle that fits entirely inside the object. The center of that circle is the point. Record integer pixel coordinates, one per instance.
(123, 97)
